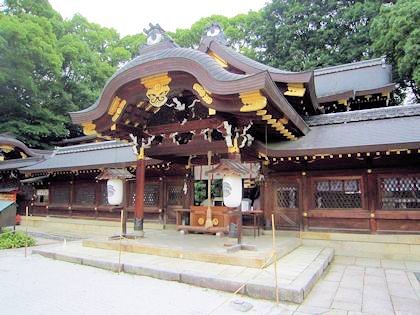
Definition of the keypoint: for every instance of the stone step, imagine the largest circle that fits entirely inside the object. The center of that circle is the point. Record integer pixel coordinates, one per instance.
(297, 272)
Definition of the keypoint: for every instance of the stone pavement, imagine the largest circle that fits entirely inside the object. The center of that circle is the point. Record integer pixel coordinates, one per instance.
(39, 286)
(354, 286)
(297, 271)
(350, 286)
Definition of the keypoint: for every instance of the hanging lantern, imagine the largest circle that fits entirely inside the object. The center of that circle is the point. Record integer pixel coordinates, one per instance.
(115, 184)
(232, 190)
(232, 171)
(115, 191)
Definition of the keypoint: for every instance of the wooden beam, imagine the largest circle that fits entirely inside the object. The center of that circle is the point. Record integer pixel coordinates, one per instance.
(188, 126)
(193, 147)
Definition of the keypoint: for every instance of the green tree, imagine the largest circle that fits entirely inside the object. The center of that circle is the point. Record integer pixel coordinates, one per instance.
(29, 66)
(239, 31)
(396, 34)
(298, 35)
(50, 66)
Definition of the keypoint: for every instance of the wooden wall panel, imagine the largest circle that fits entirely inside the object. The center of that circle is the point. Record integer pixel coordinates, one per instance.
(398, 226)
(338, 224)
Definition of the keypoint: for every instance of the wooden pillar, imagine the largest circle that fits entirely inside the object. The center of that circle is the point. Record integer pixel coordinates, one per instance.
(139, 206)
(209, 222)
(306, 193)
(71, 197)
(372, 193)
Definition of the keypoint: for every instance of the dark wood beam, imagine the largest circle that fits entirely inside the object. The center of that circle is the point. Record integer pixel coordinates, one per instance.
(194, 147)
(188, 126)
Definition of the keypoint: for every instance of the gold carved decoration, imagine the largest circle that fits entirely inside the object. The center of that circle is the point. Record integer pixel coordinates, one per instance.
(140, 156)
(157, 89)
(203, 93)
(200, 221)
(218, 59)
(114, 105)
(234, 148)
(215, 221)
(279, 126)
(120, 110)
(343, 102)
(6, 148)
(253, 101)
(284, 120)
(89, 128)
(295, 89)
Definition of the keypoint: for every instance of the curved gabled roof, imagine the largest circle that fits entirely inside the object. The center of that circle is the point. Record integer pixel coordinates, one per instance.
(250, 66)
(203, 68)
(167, 59)
(13, 142)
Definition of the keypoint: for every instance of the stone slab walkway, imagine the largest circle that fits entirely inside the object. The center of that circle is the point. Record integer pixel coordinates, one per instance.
(370, 286)
(297, 272)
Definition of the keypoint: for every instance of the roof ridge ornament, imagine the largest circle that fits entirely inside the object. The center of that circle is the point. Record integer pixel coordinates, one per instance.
(156, 36)
(215, 31)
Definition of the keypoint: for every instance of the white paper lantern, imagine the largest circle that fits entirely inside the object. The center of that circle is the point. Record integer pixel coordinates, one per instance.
(115, 190)
(232, 191)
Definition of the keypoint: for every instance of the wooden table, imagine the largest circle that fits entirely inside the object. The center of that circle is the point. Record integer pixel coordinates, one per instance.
(179, 214)
(256, 220)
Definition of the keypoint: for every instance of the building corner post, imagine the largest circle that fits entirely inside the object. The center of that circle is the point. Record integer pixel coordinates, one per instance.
(140, 182)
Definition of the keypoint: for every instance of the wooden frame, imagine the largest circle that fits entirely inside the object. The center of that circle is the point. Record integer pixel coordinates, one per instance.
(363, 194)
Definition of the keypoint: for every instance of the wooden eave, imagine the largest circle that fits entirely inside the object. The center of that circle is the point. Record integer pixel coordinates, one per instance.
(260, 147)
(249, 66)
(261, 81)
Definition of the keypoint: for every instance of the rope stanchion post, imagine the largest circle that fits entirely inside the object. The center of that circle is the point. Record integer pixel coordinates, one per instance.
(275, 257)
(26, 230)
(121, 236)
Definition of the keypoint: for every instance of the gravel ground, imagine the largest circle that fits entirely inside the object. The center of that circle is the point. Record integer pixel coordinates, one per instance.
(37, 285)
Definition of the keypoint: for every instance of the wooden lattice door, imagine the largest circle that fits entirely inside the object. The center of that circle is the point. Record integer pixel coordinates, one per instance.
(175, 198)
(286, 204)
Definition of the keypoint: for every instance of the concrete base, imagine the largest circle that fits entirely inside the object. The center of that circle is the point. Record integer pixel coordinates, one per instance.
(210, 249)
(238, 247)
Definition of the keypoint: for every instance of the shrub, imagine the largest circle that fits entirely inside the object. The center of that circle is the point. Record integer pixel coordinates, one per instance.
(9, 239)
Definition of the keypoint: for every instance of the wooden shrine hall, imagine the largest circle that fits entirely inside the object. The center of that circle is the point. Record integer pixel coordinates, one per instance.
(322, 149)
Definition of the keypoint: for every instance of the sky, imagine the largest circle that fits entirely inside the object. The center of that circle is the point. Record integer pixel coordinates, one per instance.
(131, 16)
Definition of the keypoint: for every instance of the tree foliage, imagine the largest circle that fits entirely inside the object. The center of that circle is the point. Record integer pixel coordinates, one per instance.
(396, 34)
(298, 35)
(50, 66)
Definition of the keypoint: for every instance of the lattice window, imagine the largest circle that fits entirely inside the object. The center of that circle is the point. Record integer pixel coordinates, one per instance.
(175, 195)
(287, 196)
(60, 194)
(84, 194)
(151, 195)
(400, 192)
(338, 194)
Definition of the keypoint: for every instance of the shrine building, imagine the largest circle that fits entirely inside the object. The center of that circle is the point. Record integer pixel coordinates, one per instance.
(322, 150)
